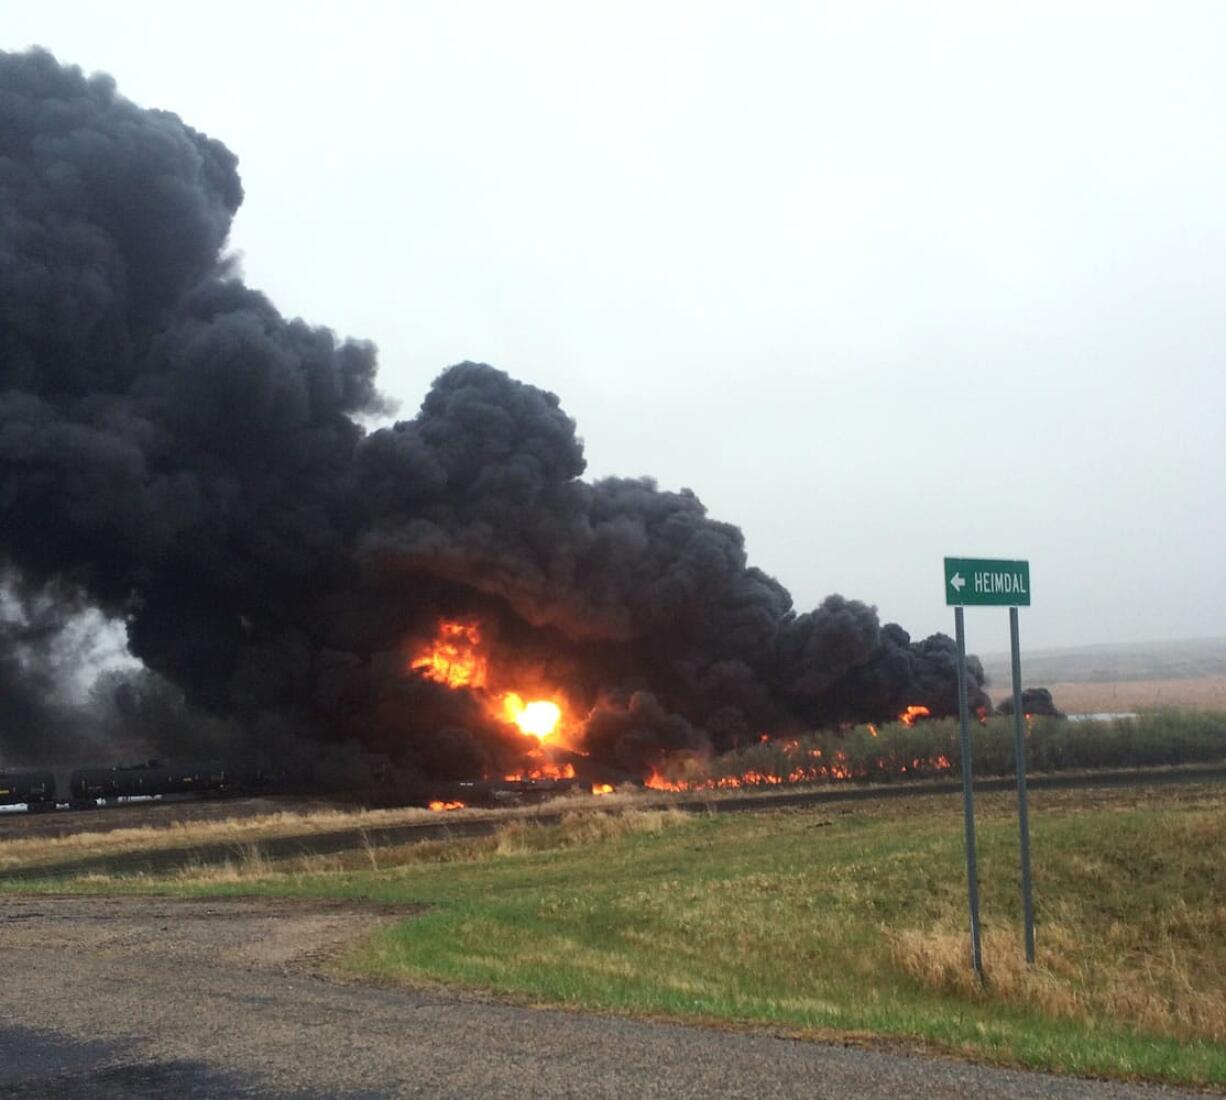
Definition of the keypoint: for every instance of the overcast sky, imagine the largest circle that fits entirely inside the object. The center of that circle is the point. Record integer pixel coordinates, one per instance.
(881, 283)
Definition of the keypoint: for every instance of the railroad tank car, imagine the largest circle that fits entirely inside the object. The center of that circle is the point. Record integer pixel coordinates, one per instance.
(35, 789)
(147, 779)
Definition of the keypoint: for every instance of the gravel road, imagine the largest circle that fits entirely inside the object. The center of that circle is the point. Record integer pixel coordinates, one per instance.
(150, 997)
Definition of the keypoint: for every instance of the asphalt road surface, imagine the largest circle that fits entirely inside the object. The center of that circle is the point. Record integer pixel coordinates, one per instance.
(140, 997)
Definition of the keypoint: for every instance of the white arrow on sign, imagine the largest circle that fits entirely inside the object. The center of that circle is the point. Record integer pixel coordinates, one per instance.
(958, 581)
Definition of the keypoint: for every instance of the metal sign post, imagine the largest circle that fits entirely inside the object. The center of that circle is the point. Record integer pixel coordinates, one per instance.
(1023, 812)
(991, 582)
(968, 796)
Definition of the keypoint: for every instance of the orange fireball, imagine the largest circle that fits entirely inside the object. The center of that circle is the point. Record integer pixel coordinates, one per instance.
(456, 658)
(539, 718)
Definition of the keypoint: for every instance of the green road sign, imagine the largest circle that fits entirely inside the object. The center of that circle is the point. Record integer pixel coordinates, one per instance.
(986, 582)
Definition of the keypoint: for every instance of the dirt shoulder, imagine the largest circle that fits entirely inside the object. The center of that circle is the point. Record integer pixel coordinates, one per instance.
(238, 997)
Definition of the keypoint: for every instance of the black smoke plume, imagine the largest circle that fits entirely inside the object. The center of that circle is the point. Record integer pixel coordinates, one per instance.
(177, 454)
(1035, 701)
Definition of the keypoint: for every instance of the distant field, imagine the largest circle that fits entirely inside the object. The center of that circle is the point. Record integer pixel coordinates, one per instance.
(1142, 676)
(845, 920)
(1203, 658)
(1205, 693)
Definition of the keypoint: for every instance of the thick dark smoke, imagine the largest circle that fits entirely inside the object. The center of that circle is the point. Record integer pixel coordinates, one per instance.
(176, 453)
(1035, 701)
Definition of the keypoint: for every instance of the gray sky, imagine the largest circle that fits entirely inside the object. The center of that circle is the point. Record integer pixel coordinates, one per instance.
(880, 283)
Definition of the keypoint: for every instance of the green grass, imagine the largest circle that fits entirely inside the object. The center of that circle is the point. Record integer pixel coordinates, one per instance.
(843, 919)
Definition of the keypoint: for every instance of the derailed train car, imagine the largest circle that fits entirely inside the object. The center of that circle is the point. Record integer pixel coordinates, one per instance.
(35, 789)
(89, 785)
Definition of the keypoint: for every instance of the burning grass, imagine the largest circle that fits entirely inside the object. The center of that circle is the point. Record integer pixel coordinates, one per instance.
(925, 749)
(848, 918)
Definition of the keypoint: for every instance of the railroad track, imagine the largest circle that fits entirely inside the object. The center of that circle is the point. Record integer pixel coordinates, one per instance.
(351, 839)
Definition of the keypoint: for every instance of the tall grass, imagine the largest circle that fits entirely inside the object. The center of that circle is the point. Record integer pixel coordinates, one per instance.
(930, 748)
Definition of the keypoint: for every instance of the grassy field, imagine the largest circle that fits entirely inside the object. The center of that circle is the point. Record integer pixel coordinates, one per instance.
(1089, 697)
(846, 920)
(1111, 663)
(1190, 675)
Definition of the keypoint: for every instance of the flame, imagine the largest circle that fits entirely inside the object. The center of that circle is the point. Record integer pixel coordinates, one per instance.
(456, 659)
(804, 766)
(540, 717)
(439, 807)
(453, 658)
(543, 770)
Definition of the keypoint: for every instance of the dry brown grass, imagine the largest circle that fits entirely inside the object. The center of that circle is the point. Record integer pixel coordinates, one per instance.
(21, 851)
(1165, 996)
(1131, 927)
(579, 829)
(515, 837)
(1205, 693)
(243, 830)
